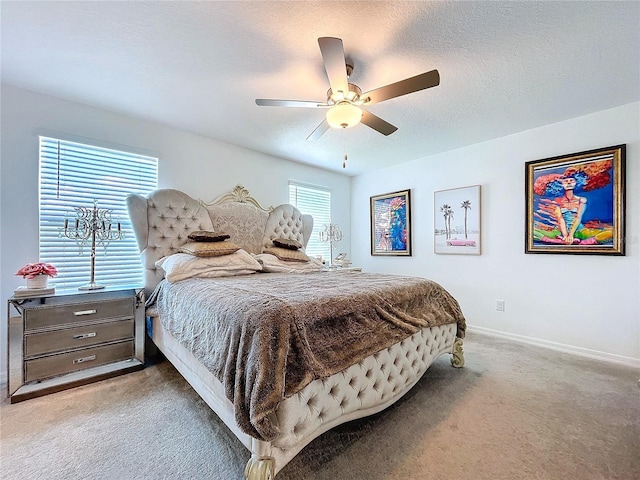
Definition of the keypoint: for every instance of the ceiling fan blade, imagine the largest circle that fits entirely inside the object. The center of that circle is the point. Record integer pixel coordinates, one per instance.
(334, 63)
(267, 102)
(378, 124)
(403, 87)
(319, 131)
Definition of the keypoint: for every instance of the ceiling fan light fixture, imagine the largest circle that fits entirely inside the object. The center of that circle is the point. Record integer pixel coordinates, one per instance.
(344, 99)
(344, 115)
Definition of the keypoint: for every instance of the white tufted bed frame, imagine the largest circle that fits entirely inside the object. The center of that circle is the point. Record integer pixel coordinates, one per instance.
(162, 222)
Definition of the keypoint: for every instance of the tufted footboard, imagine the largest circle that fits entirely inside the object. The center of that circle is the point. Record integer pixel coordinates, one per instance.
(363, 389)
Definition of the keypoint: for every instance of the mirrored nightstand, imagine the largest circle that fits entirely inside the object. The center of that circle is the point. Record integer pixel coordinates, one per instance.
(72, 338)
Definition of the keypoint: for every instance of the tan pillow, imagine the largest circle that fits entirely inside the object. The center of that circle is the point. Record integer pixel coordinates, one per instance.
(287, 255)
(271, 263)
(287, 243)
(208, 236)
(209, 249)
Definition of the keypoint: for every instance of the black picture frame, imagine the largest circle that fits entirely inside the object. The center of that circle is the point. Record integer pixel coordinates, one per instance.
(391, 223)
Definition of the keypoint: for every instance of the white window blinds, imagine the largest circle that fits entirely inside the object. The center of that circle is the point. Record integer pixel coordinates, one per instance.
(75, 175)
(314, 201)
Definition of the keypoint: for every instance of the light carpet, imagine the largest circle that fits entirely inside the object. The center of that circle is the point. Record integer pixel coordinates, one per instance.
(514, 412)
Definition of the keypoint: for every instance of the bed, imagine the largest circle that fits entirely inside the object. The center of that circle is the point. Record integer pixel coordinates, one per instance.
(259, 332)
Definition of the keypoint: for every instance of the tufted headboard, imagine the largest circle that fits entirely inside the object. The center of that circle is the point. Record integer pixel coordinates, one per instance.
(163, 220)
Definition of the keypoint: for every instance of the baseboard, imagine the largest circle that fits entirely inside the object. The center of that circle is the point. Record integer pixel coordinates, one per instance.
(560, 347)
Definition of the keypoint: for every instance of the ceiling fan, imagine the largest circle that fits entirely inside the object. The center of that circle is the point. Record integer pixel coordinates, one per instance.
(344, 99)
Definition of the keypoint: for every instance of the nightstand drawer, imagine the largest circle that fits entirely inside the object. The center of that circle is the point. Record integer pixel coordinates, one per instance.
(53, 365)
(78, 312)
(77, 337)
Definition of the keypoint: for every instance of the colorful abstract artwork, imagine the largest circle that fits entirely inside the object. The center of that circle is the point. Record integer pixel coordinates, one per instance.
(457, 221)
(391, 224)
(575, 203)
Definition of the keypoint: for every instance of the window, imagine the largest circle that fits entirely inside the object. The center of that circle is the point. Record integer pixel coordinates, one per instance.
(315, 201)
(74, 175)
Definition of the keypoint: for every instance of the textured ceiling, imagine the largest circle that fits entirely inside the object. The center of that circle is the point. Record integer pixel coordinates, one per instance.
(505, 67)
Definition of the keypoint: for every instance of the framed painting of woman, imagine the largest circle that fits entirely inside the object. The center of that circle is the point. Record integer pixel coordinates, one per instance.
(391, 224)
(575, 203)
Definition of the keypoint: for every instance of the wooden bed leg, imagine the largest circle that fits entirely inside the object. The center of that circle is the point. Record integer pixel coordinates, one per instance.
(260, 468)
(458, 354)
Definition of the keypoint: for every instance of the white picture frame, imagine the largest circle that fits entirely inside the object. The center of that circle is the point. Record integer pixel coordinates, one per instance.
(456, 220)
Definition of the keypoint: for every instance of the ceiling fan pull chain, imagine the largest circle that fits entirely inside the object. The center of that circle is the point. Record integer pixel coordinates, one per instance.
(344, 139)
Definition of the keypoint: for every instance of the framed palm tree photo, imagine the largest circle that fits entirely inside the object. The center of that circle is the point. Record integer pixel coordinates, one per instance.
(456, 220)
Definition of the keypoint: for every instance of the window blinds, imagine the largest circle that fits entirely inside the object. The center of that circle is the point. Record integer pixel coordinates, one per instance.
(75, 175)
(314, 201)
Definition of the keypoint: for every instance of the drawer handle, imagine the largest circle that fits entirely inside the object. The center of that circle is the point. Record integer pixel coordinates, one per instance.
(84, 335)
(84, 312)
(84, 359)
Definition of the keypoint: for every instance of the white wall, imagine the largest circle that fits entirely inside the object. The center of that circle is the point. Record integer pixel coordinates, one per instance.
(202, 167)
(585, 304)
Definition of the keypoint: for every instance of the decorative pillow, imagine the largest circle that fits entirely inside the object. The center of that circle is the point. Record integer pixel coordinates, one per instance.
(209, 249)
(271, 263)
(208, 236)
(181, 266)
(287, 243)
(287, 255)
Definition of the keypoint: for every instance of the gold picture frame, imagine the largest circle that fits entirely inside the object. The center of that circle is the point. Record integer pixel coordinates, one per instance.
(575, 204)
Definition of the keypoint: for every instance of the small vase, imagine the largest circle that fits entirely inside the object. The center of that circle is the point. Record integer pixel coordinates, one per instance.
(39, 281)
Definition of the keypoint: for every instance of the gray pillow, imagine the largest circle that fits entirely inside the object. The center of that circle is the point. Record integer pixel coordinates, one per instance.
(287, 243)
(207, 236)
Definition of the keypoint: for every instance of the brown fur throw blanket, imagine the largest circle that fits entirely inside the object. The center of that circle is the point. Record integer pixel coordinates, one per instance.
(266, 336)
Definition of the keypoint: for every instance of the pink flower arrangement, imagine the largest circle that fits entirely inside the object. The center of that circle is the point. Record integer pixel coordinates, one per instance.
(30, 270)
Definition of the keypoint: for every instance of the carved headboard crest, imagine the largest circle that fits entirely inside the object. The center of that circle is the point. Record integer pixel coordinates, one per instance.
(240, 195)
